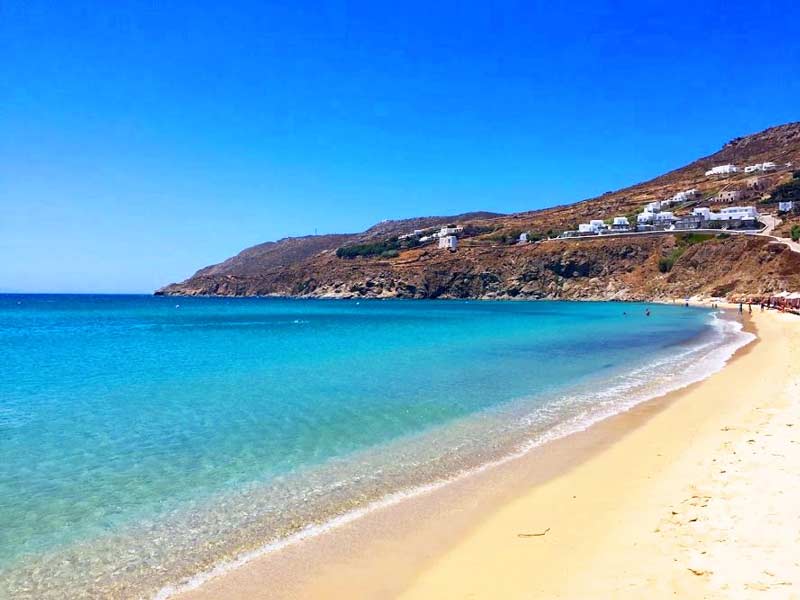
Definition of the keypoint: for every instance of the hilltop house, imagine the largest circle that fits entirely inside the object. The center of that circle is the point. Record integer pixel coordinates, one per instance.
(448, 242)
(722, 171)
(523, 238)
(785, 206)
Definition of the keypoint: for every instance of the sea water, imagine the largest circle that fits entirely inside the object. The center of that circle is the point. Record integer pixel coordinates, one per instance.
(146, 442)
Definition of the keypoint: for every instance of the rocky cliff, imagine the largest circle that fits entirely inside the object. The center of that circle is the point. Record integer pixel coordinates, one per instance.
(486, 265)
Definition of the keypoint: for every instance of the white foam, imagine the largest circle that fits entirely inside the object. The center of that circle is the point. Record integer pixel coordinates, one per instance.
(729, 338)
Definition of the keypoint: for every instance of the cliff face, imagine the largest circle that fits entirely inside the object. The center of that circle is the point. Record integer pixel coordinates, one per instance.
(623, 269)
(641, 267)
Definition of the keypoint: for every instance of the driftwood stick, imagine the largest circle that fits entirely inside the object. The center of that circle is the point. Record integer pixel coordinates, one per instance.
(534, 534)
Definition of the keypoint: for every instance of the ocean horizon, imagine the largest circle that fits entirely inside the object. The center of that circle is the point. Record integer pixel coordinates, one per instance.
(145, 441)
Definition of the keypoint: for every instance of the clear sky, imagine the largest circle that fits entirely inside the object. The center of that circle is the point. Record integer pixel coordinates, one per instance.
(140, 141)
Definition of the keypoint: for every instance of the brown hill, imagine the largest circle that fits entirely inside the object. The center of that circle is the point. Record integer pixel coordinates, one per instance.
(486, 266)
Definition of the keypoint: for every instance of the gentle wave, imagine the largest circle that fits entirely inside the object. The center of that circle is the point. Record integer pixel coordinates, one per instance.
(708, 357)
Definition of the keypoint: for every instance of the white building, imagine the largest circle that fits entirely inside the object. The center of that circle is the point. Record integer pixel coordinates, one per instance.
(729, 213)
(661, 217)
(648, 213)
(448, 242)
(585, 228)
(745, 213)
(722, 170)
(653, 206)
(645, 216)
(685, 196)
(523, 237)
(449, 230)
(785, 206)
(597, 225)
(620, 224)
(765, 166)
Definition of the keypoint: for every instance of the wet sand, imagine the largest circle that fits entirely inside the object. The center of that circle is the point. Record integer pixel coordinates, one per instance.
(671, 498)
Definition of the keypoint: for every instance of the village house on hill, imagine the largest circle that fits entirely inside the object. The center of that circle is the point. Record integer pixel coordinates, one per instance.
(722, 171)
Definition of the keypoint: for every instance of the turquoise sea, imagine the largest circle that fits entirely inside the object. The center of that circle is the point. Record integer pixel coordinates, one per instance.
(144, 440)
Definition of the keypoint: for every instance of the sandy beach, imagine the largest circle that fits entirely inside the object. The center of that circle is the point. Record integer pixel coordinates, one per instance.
(689, 495)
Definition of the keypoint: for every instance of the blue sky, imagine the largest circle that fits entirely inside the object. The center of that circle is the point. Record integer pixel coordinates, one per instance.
(140, 141)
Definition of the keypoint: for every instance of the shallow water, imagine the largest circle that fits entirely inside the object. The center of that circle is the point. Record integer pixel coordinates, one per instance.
(144, 440)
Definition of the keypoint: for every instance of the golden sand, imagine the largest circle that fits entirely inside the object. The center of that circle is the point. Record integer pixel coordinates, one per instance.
(693, 495)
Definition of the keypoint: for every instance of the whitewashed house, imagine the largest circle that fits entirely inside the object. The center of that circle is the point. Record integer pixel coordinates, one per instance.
(664, 216)
(645, 216)
(653, 206)
(785, 206)
(585, 228)
(448, 242)
(449, 230)
(765, 167)
(597, 225)
(621, 224)
(523, 238)
(743, 213)
(722, 171)
(685, 196)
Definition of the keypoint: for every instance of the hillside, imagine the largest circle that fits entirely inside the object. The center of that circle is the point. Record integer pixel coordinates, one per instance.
(489, 265)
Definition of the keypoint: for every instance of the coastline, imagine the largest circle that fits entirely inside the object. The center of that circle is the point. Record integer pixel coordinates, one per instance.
(689, 504)
(418, 542)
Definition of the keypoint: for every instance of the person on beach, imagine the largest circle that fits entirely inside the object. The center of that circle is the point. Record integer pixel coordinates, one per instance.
(741, 308)
(750, 308)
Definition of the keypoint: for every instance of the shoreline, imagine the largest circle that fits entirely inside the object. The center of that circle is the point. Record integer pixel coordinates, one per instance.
(391, 546)
(696, 502)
